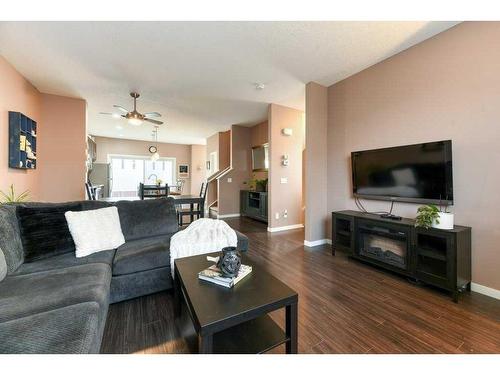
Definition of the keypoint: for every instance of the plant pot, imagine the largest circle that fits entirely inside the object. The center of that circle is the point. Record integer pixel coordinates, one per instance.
(261, 187)
(445, 221)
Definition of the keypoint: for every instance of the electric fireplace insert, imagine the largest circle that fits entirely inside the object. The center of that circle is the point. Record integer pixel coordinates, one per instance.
(386, 245)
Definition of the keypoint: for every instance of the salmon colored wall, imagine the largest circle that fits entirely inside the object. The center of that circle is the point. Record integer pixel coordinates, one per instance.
(62, 156)
(285, 196)
(212, 145)
(447, 87)
(224, 149)
(259, 134)
(107, 146)
(315, 179)
(61, 129)
(241, 141)
(198, 167)
(17, 94)
(220, 142)
(229, 192)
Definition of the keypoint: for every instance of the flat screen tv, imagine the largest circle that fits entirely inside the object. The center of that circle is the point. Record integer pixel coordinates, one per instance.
(420, 173)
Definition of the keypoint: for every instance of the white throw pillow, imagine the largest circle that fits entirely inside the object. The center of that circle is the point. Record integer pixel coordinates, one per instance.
(95, 230)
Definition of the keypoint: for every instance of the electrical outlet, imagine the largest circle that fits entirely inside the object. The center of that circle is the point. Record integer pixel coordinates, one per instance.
(284, 160)
(277, 216)
(285, 214)
(229, 179)
(284, 180)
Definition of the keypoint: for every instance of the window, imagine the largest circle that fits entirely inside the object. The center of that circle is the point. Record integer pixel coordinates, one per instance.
(128, 171)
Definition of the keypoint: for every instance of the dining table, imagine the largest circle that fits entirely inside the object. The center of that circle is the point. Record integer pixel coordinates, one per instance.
(179, 200)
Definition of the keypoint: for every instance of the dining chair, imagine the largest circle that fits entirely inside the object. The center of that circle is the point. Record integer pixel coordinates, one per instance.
(152, 191)
(141, 190)
(90, 192)
(178, 188)
(198, 209)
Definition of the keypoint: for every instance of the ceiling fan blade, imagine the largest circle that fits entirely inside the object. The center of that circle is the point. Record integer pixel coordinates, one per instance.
(121, 108)
(152, 114)
(105, 113)
(154, 121)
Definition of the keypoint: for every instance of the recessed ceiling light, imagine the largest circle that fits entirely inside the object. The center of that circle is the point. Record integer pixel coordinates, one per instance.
(119, 127)
(259, 86)
(121, 135)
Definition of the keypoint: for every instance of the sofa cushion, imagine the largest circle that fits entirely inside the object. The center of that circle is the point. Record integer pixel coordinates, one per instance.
(10, 237)
(95, 205)
(25, 295)
(64, 261)
(153, 217)
(3, 266)
(44, 230)
(141, 255)
(133, 285)
(70, 329)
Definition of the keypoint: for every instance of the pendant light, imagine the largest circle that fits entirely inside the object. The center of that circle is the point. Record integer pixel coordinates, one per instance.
(156, 155)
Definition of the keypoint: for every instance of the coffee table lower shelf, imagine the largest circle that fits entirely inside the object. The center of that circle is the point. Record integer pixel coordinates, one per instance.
(252, 337)
(212, 319)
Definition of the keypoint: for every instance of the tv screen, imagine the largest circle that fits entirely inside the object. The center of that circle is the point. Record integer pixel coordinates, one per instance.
(420, 173)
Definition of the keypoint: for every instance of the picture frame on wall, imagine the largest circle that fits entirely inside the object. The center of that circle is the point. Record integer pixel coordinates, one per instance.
(183, 171)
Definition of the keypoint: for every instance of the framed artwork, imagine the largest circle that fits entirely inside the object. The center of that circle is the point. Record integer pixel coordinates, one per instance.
(183, 171)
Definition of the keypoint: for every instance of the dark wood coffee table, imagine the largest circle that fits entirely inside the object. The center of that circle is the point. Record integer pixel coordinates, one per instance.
(235, 320)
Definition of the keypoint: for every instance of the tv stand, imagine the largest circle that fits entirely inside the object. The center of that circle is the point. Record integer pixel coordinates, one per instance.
(437, 257)
(391, 217)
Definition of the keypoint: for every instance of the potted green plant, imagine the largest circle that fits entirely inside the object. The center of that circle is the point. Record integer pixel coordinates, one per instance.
(430, 216)
(256, 184)
(10, 196)
(261, 185)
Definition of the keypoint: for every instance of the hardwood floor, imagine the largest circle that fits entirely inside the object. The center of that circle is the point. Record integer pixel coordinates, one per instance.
(345, 306)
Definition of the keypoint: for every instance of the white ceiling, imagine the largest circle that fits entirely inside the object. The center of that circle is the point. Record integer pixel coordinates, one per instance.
(199, 75)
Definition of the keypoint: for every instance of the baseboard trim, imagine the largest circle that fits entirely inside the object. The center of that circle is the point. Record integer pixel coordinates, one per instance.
(487, 291)
(227, 216)
(315, 243)
(287, 227)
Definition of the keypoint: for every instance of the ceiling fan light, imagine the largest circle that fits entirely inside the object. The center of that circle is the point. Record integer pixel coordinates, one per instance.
(135, 121)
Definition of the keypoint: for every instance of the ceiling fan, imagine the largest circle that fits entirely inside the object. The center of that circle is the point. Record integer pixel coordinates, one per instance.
(134, 117)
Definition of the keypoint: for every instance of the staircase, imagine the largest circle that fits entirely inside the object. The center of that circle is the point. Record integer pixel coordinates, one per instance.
(213, 212)
(213, 196)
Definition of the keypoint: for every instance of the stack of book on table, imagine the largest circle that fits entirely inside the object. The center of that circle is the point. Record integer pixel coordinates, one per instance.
(214, 275)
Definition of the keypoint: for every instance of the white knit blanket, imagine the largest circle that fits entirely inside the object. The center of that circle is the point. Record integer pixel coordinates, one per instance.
(200, 237)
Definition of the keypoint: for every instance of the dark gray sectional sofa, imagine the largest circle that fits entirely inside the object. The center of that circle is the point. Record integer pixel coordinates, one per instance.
(57, 303)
